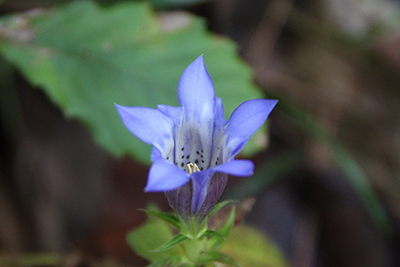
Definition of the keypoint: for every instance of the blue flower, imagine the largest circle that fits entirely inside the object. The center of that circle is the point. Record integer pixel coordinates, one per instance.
(193, 145)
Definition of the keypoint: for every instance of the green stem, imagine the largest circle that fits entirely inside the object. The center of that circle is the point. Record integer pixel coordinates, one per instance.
(196, 246)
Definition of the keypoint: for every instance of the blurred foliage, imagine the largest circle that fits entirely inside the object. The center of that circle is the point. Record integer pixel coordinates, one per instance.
(30, 260)
(86, 58)
(54, 259)
(250, 248)
(343, 159)
(175, 3)
(150, 236)
(265, 175)
(245, 244)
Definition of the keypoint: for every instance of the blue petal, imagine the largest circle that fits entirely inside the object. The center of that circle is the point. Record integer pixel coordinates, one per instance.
(165, 176)
(219, 117)
(219, 124)
(150, 125)
(155, 154)
(214, 191)
(236, 167)
(200, 181)
(196, 91)
(175, 113)
(244, 122)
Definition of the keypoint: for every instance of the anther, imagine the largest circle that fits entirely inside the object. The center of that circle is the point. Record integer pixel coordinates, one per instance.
(192, 168)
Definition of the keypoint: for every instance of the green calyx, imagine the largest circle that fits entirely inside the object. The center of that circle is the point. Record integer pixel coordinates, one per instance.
(191, 242)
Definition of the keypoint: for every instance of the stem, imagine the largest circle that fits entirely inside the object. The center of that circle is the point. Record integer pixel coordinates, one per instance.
(196, 246)
(193, 229)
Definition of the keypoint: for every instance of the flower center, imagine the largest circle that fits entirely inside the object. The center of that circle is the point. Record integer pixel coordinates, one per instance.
(192, 167)
(187, 156)
(195, 160)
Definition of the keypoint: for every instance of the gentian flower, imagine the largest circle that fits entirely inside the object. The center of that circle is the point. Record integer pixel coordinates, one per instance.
(193, 145)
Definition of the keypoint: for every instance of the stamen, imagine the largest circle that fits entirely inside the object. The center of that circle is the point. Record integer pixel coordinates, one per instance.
(191, 168)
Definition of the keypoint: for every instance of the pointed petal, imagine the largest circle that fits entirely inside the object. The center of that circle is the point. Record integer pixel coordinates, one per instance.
(196, 91)
(149, 125)
(197, 97)
(165, 176)
(244, 122)
(175, 113)
(236, 167)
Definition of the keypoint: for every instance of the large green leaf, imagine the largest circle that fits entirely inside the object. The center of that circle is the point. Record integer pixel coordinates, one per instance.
(87, 58)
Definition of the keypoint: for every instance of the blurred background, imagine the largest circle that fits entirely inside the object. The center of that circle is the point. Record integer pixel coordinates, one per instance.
(327, 188)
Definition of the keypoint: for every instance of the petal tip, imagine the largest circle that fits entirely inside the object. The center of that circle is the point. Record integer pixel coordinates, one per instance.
(200, 59)
(148, 189)
(196, 90)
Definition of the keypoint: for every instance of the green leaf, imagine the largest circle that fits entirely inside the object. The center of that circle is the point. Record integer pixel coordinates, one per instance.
(143, 239)
(221, 205)
(167, 217)
(216, 242)
(87, 57)
(212, 233)
(176, 240)
(251, 248)
(227, 228)
(177, 261)
(220, 257)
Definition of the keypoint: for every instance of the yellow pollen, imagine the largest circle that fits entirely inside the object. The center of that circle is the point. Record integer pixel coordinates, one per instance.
(192, 167)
